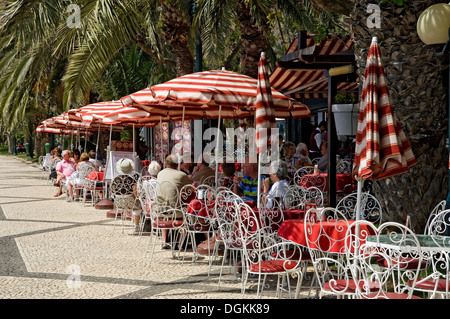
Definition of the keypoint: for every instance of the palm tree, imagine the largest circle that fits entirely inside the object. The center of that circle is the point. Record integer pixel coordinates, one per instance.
(254, 26)
(415, 82)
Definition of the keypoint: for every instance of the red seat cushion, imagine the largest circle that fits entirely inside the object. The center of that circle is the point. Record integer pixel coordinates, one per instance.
(199, 227)
(272, 266)
(430, 283)
(161, 223)
(392, 295)
(294, 255)
(410, 263)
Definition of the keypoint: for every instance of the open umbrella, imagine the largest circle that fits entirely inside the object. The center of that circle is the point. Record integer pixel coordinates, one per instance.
(210, 94)
(382, 149)
(264, 115)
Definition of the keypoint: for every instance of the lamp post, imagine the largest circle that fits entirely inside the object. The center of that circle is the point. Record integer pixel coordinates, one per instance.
(433, 27)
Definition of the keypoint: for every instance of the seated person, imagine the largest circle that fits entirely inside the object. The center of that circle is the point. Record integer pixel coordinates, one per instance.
(323, 162)
(187, 164)
(278, 175)
(93, 159)
(248, 186)
(302, 155)
(76, 178)
(64, 169)
(291, 161)
(168, 196)
(202, 171)
(127, 194)
(228, 170)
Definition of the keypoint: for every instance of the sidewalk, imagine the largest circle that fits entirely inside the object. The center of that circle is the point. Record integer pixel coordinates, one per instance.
(51, 249)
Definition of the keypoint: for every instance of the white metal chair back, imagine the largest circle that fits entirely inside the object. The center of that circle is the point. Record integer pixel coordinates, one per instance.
(123, 197)
(343, 166)
(436, 210)
(387, 266)
(325, 232)
(306, 177)
(370, 207)
(211, 181)
(271, 214)
(440, 226)
(294, 197)
(313, 195)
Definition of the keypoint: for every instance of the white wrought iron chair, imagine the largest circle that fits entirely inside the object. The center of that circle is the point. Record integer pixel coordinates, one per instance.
(144, 185)
(294, 197)
(80, 180)
(210, 181)
(370, 207)
(123, 198)
(436, 210)
(263, 255)
(306, 177)
(436, 280)
(270, 214)
(386, 266)
(227, 211)
(166, 215)
(313, 195)
(325, 233)
(198, 208)
(93, 187)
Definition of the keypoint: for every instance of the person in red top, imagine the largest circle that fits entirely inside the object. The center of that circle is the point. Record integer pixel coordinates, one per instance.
(64, 169)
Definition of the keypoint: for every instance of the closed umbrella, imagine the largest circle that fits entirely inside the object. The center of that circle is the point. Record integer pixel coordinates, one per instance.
(264, 115)
(382, 149)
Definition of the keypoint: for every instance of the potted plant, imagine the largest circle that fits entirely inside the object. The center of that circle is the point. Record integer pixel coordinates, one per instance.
(345, 110)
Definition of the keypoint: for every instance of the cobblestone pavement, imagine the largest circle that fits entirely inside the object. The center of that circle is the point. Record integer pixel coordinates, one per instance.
(51, 249)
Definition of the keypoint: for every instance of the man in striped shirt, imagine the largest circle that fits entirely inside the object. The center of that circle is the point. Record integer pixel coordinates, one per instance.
(248, 186)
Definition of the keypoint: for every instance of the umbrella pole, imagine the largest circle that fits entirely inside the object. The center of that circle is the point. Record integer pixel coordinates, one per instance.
(85, 141)
(134, 141)
(358, 199)
(98, 136)
(182, 136)
(217, 145)
(258, 203)
(161, 141)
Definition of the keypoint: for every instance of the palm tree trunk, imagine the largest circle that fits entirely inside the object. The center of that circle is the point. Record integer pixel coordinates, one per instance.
(176, 31)
(253, 40)
(415, 82)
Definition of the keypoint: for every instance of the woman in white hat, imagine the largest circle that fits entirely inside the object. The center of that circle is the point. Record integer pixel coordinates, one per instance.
(124, 166)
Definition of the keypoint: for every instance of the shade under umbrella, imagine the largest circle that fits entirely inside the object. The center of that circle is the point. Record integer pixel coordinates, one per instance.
(382, 149)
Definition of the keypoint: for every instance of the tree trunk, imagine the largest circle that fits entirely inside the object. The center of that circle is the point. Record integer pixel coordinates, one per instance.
(253, 40)
(415, 83)
(11, 145)
(176, 31)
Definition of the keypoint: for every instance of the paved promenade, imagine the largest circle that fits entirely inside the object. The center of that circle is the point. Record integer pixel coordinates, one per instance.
(51, 249)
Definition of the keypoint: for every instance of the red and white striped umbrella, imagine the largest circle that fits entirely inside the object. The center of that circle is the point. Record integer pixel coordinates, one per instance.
(52, 130)
(382, 149)
(208, 93)
(139, 118)
(95, 112)
(264, 107)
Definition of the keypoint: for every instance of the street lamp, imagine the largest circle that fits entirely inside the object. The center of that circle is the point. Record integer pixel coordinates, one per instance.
(433, 27)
